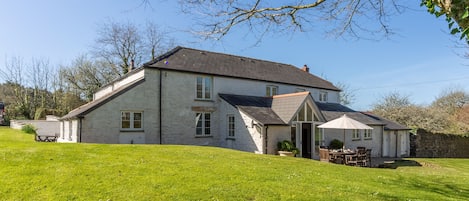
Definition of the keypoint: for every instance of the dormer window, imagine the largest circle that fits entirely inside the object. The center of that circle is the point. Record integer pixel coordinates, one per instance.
(323, 96)
(271, 90)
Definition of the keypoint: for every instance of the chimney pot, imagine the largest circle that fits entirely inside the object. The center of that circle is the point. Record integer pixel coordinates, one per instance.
(131, 67)
(305, 68)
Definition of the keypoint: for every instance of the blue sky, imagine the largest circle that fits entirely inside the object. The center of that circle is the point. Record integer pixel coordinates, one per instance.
(420, 61)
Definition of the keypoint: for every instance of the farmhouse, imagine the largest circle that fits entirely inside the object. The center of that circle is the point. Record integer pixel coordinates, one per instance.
(196, 97)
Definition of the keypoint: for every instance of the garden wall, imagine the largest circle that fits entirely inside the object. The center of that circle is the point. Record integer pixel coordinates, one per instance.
(50, 126)
(429, 145)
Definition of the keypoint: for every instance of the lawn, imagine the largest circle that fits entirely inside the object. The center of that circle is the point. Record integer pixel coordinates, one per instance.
(53, 171)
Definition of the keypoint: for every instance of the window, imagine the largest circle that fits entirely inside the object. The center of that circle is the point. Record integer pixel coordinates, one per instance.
(231, 126)
(355, 134)
(367, 134)
(202, 127)
(271, 90)
(299, 90)
(323, 96)
(131, 120)
(204, 88)
(305, 114)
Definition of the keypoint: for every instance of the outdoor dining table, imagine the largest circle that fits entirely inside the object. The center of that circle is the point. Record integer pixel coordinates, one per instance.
(340, 154)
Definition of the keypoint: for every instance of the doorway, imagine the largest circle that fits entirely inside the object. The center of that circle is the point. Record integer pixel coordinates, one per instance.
(306, 140)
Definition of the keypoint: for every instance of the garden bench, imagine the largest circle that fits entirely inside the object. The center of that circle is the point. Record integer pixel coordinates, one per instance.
(44, 137)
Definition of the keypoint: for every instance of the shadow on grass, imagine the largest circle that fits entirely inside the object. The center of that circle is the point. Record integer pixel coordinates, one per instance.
(399, 163)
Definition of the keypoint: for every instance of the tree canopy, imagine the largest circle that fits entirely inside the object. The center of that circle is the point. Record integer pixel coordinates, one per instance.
(216, 18)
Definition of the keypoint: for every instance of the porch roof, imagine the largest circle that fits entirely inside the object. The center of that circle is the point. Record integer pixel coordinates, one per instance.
(258, 108)
(390, 125)
(333, 111)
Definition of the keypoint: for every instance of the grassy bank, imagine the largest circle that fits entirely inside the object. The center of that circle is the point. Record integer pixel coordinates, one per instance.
(55, 171)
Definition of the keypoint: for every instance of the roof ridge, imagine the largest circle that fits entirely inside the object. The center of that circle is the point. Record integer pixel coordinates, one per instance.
(165, 55)
(237, 56)
(291, 94)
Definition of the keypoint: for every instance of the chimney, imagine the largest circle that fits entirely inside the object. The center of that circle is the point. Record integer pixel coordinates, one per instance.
(131, 67)
(305, 68)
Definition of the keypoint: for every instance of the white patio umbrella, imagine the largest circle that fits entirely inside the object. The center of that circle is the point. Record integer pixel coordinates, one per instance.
(346, 123)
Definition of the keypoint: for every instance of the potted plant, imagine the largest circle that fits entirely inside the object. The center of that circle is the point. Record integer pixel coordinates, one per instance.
(336, 144)
(287, 148)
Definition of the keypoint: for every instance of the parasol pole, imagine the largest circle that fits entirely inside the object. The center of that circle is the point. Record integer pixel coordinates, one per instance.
(343, 144)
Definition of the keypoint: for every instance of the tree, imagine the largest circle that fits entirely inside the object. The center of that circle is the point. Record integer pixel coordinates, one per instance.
(451, 101)
(126, 45)
(355, 18)
(119, 45)
(395, 107)
(86, 76)
(456, 13)
(346, 96)
(26, 89)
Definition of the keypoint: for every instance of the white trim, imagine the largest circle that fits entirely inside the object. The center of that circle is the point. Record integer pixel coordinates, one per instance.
(131, 120)
(231, 126)
(356, 134)
(271, 90)
(323, 96)
(200, 117)
(367, 134)
(203, 83)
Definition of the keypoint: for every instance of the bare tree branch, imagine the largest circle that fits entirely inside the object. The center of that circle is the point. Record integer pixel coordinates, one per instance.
(216, 18)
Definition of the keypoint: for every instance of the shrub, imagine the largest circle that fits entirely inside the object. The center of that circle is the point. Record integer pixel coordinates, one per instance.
(28, 128)
(287, 146)
(336, 144)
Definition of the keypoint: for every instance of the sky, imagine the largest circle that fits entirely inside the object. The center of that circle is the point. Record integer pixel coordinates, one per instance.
(420, 61)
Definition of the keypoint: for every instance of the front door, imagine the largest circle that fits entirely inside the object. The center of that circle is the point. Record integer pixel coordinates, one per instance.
(306, 140)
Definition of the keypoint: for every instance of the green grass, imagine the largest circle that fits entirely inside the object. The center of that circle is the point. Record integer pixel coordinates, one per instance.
(53, 171)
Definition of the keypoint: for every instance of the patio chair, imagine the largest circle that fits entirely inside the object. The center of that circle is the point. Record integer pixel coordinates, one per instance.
(351, 159)
(368, 157)
(362, 158)
(324, 155)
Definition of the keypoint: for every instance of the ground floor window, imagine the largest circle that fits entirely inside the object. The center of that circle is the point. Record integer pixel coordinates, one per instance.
(131, 120)
(231, 126)
(355, 134)
(202, 127)
(367, 134)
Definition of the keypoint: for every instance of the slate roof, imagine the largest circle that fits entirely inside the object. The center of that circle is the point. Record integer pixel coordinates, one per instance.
(212, 63)
(333, 111)
(390, 125)
(287, 105)
(275, 110)
(88, 107)
(258, 108)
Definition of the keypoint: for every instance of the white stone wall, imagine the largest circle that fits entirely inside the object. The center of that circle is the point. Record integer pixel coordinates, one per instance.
(103, 124)
(247, 137)
(179, 109)
(258, 88)
(276, 134)
(43, 126)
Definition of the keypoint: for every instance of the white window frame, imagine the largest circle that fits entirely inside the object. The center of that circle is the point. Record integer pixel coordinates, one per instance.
(132, 120)
(355, 134)
(201, 117)
(300, 90)
(323, 96)
(231, 126)
(271, 90)
(206, 91)
(367, 134)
